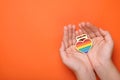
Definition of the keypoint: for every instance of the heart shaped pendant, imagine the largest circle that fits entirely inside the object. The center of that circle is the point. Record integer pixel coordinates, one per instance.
(83, 45)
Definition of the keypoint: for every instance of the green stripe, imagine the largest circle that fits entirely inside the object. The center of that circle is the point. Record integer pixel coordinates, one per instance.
(85, 49)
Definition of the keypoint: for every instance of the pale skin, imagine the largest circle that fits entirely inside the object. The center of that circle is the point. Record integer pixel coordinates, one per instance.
(98, 59)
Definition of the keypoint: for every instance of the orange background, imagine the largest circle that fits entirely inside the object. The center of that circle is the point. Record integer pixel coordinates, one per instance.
(31, 32)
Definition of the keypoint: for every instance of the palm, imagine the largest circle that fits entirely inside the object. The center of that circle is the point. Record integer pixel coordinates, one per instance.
(101, 49)
(70, 56)
(75, 60)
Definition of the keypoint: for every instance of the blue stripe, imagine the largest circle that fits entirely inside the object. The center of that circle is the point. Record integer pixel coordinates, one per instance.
(85, 49)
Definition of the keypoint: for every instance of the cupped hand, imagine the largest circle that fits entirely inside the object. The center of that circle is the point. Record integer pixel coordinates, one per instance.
(102, 43)
(73, 59)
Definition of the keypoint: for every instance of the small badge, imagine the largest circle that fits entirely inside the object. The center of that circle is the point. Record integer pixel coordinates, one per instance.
(83, 43)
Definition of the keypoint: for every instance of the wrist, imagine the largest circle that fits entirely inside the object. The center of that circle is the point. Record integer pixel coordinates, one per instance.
(106, 70)
(85, 73)
(99, 63)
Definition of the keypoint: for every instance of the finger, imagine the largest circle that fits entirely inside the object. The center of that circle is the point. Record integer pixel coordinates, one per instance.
(94, 30)
(65, 37)
(62, 52)
(81, 25)
(89, 31)
(73, 37)
(80, 32)
(106, 35)
(84, 29)
(77, 33)
(70, 34)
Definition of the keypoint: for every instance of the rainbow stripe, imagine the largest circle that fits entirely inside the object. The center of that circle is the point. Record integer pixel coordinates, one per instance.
(84, 46)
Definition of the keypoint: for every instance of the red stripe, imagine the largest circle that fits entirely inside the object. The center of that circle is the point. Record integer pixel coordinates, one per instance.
(83, 43)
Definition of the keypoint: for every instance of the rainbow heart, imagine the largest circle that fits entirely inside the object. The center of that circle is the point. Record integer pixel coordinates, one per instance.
(84, 46)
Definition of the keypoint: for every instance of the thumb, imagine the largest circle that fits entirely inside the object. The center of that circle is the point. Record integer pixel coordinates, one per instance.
(62, 52)
(106, 35)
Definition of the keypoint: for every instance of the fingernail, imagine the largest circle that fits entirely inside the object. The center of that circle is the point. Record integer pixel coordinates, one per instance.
(69, 25)
(73, 26)
(80, 30)
(87, 23)
(80, 25)
(65, 27)
(83, 24)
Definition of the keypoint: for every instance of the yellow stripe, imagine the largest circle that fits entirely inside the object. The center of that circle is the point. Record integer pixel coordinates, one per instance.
(85, 46)
(77, 48)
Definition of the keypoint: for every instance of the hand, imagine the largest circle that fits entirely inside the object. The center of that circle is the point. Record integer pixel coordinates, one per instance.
(76, 61)
(102, 43)
(101, 52)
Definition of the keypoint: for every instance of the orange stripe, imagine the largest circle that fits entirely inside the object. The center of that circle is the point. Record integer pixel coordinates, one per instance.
(84, 46)
(82, 43)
